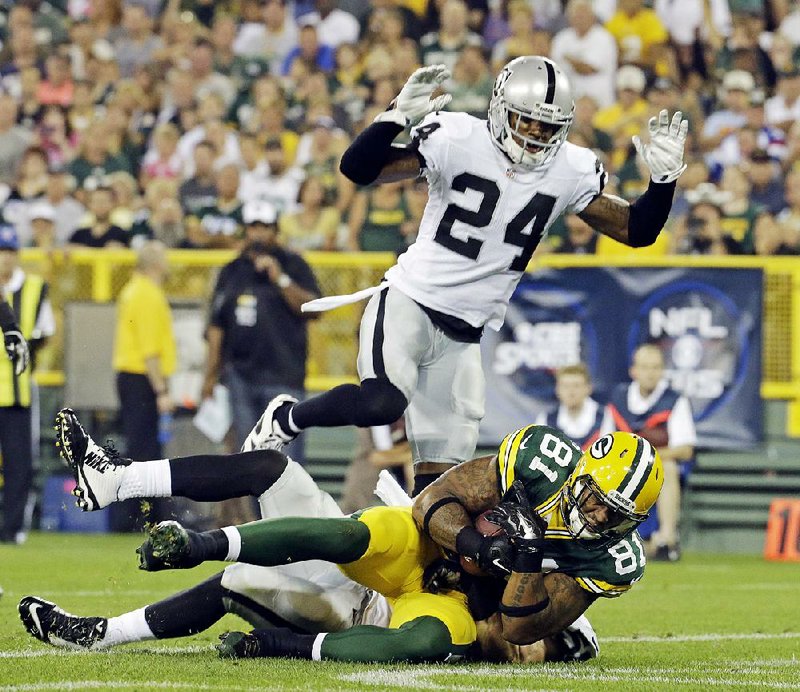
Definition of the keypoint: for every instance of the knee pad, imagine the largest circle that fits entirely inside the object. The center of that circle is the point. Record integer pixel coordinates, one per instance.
(379, 403)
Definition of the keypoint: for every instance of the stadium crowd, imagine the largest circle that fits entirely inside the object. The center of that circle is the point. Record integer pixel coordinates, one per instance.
(121, 121)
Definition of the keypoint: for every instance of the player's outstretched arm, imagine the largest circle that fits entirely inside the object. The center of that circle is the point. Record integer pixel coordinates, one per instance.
(639, 224)
(372, 158)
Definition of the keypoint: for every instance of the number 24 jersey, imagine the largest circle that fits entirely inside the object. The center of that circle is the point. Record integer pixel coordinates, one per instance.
(484, 217)
(543, 459)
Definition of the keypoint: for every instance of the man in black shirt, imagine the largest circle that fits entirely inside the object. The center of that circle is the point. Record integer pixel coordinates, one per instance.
(101, 233)
(257, 336)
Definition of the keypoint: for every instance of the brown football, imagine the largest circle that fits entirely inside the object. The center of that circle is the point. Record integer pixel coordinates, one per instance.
(487, 528)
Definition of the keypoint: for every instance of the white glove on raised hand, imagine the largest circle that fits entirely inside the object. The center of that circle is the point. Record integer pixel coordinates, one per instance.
(414, 101)
(664, 154)
(17, 350)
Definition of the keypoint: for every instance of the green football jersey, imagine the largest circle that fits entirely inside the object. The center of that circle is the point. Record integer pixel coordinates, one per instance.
(543, 459)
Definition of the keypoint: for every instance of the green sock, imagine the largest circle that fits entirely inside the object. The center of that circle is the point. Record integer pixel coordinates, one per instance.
(279, 541)
(424, 639)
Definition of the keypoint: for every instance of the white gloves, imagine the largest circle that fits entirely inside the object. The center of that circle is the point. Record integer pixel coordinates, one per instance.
(414, 101)
(664, 154)
(17, 350)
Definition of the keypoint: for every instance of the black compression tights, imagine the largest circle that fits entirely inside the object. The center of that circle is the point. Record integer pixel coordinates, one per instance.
(373, 402)
(188, 612)
(215, 477)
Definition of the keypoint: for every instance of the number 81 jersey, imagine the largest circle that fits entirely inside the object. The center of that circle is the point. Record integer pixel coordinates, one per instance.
(543, 459)
(484, 217)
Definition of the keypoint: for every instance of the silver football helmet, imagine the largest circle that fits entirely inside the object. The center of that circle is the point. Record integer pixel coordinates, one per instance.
(530, 88)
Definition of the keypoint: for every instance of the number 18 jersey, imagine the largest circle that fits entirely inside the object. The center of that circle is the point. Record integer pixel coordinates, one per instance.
(484, 217)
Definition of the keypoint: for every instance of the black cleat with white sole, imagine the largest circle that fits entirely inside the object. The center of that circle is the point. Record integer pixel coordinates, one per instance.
(51, 625)
(170, 546)
(239, 645)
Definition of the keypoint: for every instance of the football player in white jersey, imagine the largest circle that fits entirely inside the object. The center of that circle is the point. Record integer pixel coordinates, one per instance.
(495, 187)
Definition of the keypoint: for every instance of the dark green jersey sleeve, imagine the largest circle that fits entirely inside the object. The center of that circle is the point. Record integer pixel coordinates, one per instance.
(541, 457)
(607, 572)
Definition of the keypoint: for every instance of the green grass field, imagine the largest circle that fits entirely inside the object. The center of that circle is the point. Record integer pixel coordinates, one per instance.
(709, 622)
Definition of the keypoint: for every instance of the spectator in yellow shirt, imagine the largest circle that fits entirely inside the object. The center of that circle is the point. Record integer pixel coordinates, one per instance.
(641, 36)
(144, 357)
(626, 116)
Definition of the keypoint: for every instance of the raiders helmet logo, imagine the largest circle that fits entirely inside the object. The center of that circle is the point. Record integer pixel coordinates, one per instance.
(602, 446)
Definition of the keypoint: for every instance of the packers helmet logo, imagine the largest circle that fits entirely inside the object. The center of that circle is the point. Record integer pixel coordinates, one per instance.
(602, 446)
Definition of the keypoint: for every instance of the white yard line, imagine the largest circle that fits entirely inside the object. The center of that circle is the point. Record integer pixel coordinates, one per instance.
(699, 637)
(53, 651)
(108, 684)
(430, 677)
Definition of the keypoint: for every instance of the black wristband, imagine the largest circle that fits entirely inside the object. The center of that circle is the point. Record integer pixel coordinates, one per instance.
(433, 508)
(524, 611)
(649, 213)
(525, 562)
(368, 153)
(468, 542)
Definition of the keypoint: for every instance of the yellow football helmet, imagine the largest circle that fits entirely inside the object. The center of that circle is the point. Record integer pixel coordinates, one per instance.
(620, 471)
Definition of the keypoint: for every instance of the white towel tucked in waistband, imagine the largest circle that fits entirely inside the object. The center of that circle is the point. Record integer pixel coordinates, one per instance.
(331, 302)
(389, 490)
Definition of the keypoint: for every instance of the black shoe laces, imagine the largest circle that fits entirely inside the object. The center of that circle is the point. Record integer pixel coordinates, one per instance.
(110, 457)
(78, 630)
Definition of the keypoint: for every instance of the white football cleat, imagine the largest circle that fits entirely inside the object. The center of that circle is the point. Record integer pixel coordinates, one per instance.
(268, 433)
(98, 470)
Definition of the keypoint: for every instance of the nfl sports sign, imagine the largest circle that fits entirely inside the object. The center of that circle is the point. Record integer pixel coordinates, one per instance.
(707, 323)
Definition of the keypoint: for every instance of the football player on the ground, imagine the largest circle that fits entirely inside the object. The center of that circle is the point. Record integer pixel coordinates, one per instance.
(573, 530)
(311, 596)
(494, 188)
(591, 504)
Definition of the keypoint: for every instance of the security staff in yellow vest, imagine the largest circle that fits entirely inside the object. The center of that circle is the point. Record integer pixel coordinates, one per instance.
(26, 294)
(144, 358)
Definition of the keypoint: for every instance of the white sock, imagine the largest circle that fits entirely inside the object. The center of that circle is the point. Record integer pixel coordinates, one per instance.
(146, 479)
(292, 425)
(126, 628)
(316, 647)
(234, 543)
